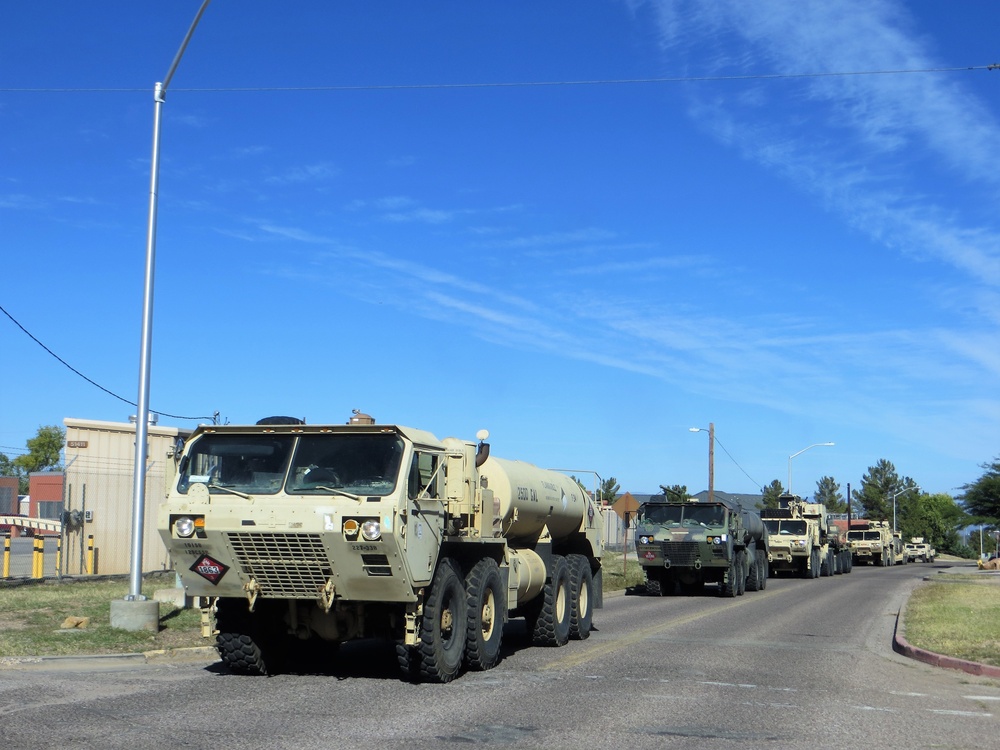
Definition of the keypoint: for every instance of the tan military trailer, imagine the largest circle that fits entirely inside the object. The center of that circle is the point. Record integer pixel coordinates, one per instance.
(298, 535)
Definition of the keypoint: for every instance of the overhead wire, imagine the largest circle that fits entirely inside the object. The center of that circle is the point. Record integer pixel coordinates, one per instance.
(513, 84)
(89, 380)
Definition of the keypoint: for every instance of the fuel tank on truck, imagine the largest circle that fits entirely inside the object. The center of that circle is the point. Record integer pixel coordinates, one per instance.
(531, 498)
(753, 525)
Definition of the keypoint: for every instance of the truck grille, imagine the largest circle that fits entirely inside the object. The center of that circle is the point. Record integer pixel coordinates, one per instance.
(681, 553)
(289, 566)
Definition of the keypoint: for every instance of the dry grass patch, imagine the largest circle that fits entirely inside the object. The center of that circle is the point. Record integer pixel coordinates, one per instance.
(31, 618)
(959, 618)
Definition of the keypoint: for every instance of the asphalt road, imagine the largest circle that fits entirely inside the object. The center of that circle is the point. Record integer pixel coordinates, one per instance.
(805, 663)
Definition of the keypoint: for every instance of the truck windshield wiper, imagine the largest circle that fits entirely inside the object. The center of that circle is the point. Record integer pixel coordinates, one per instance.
(336, 491)
(231, 491)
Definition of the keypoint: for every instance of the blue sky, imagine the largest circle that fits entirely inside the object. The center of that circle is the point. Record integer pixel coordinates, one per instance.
(423, 212)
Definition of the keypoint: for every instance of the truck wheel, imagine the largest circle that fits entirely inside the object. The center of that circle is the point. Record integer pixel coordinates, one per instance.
(242, 642)
(762, 569)
(753, 575)
(654, 586)
(551, 623)
(729, 587)
(487, 603)
(741, 573)
(443, 625)
(581, 615)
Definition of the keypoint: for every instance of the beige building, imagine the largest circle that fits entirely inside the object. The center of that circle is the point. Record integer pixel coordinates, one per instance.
(100, 458)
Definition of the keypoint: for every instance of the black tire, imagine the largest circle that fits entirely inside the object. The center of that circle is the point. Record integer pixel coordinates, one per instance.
(443, 625)
(487, 607)
(729, 587)
(654, 586)
(581, 616)
(741, 573)
(243, 642)
(762, 569)
(825, 567)
(753, 574)
(551, 623)
(813, 570)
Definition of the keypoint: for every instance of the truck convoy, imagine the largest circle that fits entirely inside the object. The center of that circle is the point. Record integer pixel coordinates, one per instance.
(687, 544)
(300, 534)
(802, 539)
(871, 542)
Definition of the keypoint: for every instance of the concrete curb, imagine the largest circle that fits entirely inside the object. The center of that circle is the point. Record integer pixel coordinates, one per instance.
(903, 647)
(158, 656)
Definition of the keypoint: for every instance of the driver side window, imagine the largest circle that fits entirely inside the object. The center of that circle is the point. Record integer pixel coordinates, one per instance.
(423, 476)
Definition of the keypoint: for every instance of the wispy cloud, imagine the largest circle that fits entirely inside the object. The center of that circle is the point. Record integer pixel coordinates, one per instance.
(846, 145)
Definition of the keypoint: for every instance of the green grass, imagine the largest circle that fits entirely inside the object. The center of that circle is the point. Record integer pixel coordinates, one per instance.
(31, 618)
(618, 576)
(957, 617)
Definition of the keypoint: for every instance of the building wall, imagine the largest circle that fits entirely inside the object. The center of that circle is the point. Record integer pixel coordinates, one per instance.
(45, 493)
(100, 458)
(8, 496)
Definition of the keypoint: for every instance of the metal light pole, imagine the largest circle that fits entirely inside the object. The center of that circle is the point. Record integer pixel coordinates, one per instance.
(814, 445)
(894, 496)
(711, 457)
(142, 415)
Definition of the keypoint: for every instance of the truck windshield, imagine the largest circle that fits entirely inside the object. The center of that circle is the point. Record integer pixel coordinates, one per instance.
(704, 515)
(662, 514)
(785, 527)
(253, 464)
(364, 465)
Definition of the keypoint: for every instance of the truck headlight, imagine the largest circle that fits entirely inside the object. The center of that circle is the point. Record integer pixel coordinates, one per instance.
(371, 530)
(184, 527)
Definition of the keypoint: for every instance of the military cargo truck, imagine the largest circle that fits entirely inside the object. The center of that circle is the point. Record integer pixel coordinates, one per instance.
(871, 542)
(899, 556)
(918, 549)
(802, 541)
(302, 534)
(684, 545)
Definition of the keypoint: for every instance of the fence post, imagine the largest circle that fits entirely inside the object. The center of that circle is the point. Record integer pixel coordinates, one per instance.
(59, 556)
(37, 557)
(6, 557)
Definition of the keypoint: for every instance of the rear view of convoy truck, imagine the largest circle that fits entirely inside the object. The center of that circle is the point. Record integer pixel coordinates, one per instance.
(688, 544)
(299, 535)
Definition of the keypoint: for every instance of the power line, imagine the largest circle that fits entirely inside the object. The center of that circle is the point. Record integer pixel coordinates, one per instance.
(514, 84)
(92, 382)
(755, 482)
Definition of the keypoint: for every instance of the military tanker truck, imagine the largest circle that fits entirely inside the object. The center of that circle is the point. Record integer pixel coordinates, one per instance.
(303, 535)
(803, 540)
(683, 545)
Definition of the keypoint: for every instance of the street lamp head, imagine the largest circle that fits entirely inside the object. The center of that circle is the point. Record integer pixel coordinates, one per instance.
(697, 429)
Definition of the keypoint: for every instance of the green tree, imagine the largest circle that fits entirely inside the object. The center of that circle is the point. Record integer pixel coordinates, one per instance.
(43, 450)
(10, 469)
(608, 491)
(982, 497)
(937, 518)
(828, 493)
(43, 453)
(877, 488)
(771, 494)
(675, 492)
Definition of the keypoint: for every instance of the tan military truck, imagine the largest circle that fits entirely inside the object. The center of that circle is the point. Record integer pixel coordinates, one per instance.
(300, 535)
(871, 542)
(801, 540)
(899, 556)
(918, 549)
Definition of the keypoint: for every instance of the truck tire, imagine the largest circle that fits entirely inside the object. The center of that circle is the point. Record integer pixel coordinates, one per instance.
(550, 619)
(826, 566)
(243, 643)
(729, 587)
(741, 573)
(762, 569)
(581, 615)
(487, 606)
(753, 574)
(654, 586)
(443, 626)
